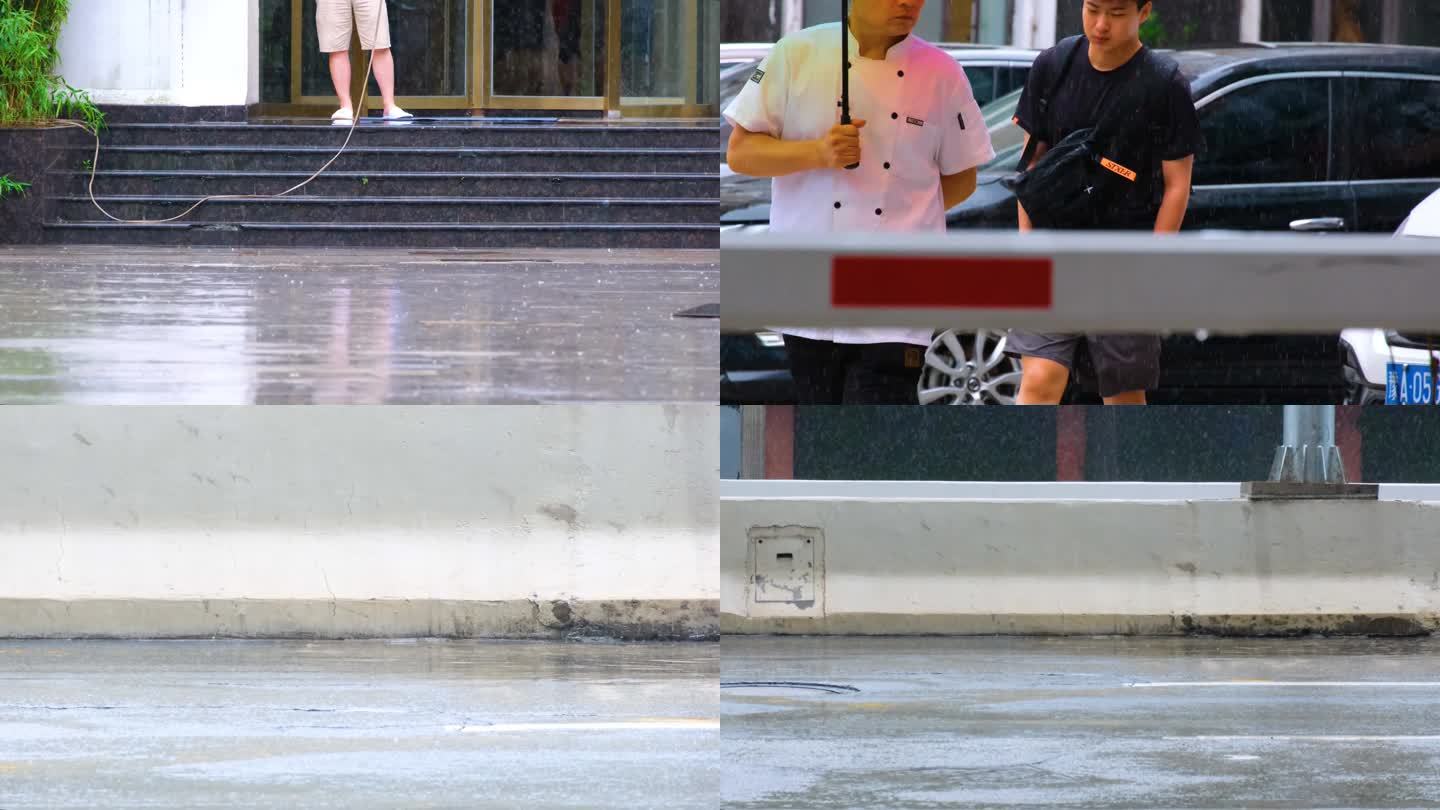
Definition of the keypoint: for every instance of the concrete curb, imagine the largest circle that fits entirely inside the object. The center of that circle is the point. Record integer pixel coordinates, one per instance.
(1018, 624)
(629, 620)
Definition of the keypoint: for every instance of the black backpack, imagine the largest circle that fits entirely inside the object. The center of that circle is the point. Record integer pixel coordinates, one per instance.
(1081, 181)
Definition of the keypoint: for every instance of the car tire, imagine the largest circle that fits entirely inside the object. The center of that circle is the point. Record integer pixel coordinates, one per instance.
(968, 368)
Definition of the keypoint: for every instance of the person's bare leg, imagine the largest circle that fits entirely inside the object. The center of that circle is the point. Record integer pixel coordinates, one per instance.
(1042, 382)
(1127, 398)
(340, 75)
(384, 68)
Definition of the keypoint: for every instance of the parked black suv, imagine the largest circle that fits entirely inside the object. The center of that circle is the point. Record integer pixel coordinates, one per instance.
(1300, 137)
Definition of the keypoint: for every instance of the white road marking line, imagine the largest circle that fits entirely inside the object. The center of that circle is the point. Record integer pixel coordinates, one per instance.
(1309, 738)
(1322, 684)
(630, 725)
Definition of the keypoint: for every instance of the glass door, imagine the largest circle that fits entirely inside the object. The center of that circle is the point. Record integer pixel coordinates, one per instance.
(646, 58)
(545, 54)
(668, 52)
(431, 44)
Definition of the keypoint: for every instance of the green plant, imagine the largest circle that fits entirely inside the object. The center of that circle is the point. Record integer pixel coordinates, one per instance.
(9, 186)
(50, 15)
(30, 92)
(1154, 33)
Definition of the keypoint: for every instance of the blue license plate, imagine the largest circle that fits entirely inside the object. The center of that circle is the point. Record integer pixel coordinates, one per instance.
(1409, 385)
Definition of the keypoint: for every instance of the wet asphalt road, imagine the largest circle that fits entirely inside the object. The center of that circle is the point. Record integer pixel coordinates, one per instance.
(97, 325)
(197, 724)
(1082, 723)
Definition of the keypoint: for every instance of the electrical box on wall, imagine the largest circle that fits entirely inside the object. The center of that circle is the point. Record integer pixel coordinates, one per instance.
(786, 571)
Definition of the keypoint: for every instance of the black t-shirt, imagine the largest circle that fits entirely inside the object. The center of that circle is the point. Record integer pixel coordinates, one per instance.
(1165, 128)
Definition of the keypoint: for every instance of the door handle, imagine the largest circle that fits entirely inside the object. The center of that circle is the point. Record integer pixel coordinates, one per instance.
(1318, 224)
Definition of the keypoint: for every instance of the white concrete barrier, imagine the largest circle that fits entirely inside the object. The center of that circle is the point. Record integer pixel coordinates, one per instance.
(872, 565)
(352, 521)
(1025, 490)
(987, 490)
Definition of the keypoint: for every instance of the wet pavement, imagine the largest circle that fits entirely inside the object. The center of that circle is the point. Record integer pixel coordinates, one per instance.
(944, 722)
(97, 325)
(414, 724)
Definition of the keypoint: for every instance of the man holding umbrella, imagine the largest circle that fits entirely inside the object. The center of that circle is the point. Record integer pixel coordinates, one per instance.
(898, 151)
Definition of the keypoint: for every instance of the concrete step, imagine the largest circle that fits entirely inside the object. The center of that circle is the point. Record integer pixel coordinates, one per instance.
(393, 159)
(394, 184)
(452, 183)
(429, 133)
(398, 210)
(392, 234)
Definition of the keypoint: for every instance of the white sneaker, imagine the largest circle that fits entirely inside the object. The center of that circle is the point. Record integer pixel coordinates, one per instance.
(396, 114)
(342, 117)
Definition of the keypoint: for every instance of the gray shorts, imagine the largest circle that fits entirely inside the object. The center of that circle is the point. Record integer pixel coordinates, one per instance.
(1119, 363)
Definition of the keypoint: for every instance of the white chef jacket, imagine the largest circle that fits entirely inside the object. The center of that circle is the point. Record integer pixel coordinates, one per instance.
(921, 122)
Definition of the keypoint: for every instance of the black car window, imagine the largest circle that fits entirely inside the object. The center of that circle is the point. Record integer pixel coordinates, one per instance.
(1274, 131)
(1012, 78)
(1397, 129)
(982, 83)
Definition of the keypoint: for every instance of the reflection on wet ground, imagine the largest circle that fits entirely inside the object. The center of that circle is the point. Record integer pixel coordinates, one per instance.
(1107, 722)
(358, 724)
(243, 326)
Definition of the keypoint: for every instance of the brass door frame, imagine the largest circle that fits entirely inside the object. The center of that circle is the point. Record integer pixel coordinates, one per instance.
(478, 55)
(614, 44)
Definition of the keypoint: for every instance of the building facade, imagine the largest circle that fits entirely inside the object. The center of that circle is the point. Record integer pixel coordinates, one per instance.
(987, 21)
(1176, 23)
(634, 58)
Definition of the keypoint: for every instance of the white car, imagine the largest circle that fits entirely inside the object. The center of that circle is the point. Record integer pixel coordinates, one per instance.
(1369, 352)
(735, 55)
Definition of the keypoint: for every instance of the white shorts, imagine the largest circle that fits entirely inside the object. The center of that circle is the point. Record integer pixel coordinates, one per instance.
(335, 19)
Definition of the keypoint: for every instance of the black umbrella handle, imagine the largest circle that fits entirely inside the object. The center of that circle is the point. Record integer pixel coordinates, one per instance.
(845, 69)
(845, 121)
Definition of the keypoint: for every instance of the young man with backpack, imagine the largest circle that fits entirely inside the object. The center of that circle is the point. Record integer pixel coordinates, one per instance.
(910, 154)
(1112, 138)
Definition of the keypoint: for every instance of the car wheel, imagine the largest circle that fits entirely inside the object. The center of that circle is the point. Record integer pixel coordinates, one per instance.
(969, 368)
